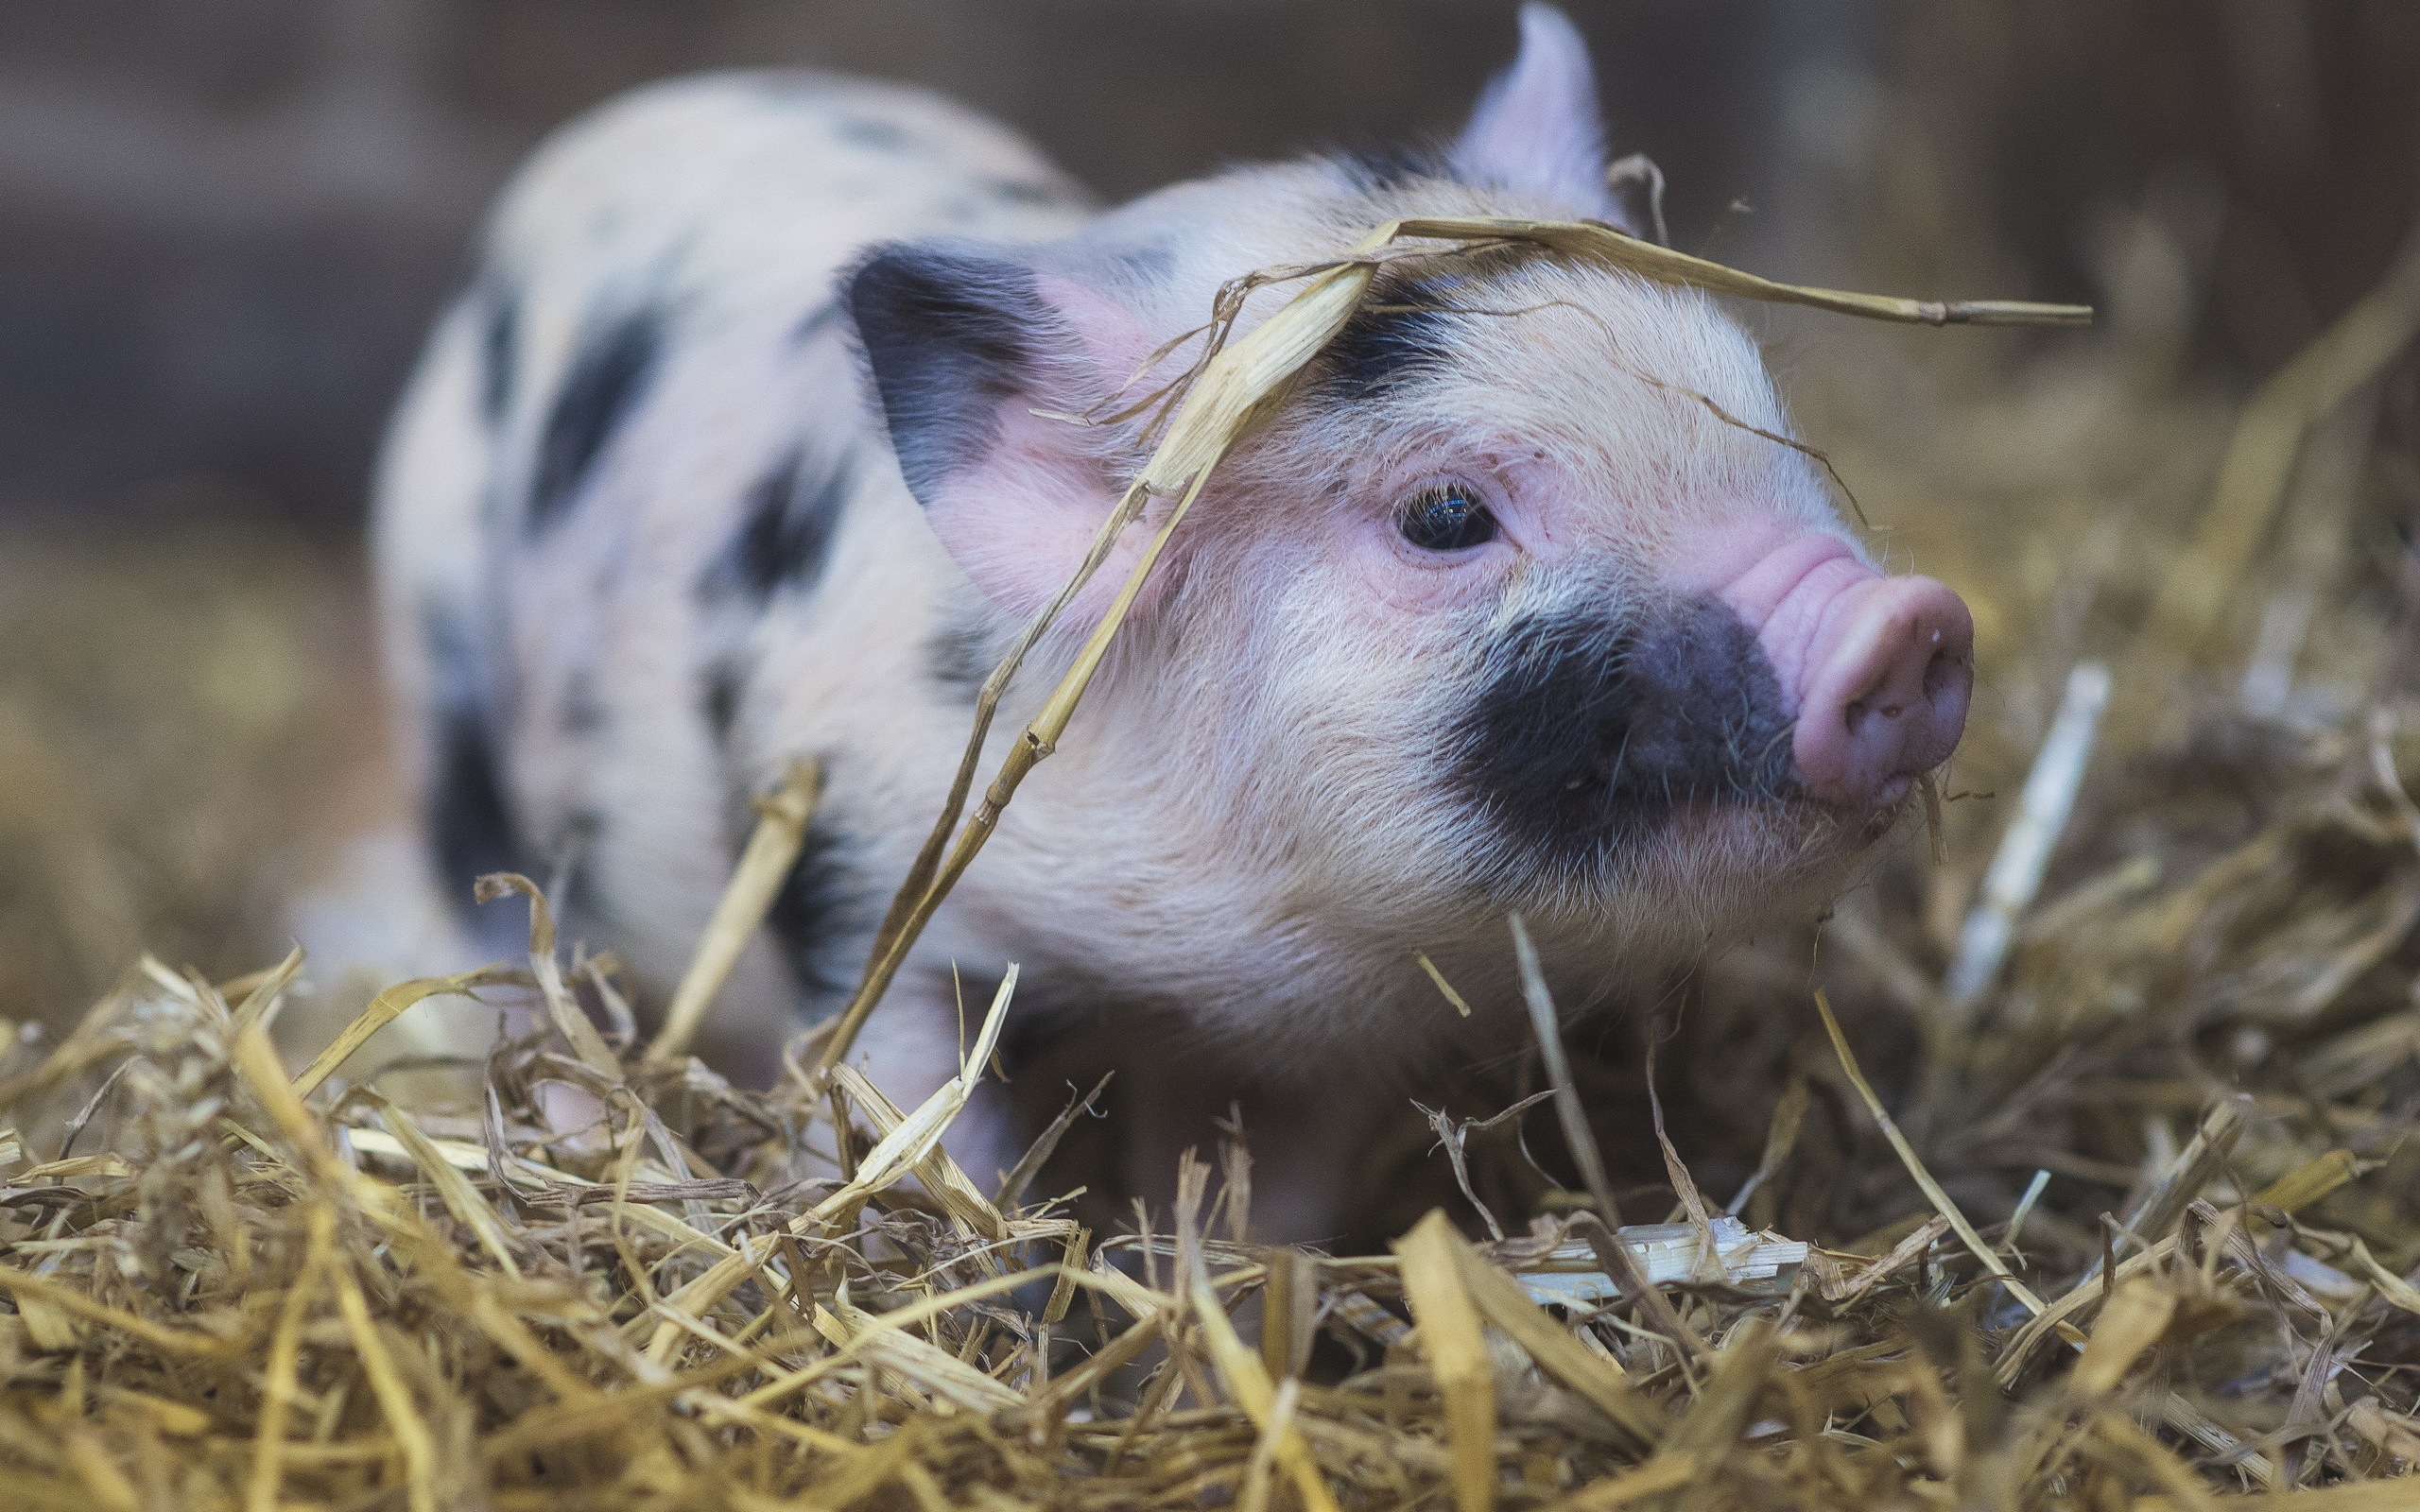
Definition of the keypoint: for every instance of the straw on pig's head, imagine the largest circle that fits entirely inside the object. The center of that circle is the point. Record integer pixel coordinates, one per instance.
(1521, 599)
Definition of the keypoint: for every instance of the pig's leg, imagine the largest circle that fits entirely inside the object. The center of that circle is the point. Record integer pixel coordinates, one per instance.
(1306, 1145)
(1307, 1152)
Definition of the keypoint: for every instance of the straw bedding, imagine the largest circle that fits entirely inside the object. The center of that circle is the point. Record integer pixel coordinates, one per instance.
(607, 1278)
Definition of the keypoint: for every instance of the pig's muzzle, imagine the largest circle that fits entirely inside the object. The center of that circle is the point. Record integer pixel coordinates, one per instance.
(1874, 670)
(1592, 730)
(1810, 678)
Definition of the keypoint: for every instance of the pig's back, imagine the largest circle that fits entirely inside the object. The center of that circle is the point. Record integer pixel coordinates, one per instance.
(745, 190)
(636, 462)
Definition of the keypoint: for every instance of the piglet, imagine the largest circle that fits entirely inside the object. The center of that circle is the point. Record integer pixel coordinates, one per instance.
(748, 441)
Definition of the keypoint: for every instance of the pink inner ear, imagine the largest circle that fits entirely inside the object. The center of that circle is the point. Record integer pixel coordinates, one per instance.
(1114, 342)
(1019, 522)
(1537, 127)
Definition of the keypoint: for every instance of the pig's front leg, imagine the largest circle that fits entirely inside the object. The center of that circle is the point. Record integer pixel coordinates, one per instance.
(1307, 1150)
(1305, 1144)
(909, 1047)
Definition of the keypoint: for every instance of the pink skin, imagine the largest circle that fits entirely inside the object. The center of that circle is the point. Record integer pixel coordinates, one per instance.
(1875, 669)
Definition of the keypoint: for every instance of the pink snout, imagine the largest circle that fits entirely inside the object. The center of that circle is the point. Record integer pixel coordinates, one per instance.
(1875, 669)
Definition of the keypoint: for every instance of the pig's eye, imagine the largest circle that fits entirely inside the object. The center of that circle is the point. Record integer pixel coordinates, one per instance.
(1447, 517)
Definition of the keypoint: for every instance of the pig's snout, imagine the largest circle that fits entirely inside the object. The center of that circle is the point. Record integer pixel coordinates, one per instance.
(1876, 670)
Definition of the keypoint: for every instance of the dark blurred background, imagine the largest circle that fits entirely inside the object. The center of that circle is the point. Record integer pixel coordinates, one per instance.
(224, 224)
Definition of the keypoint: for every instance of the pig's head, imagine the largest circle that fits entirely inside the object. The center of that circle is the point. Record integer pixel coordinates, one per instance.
(1520, 600)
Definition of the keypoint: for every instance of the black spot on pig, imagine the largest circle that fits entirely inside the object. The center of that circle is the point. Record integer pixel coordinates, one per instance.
(584, 710)
(608, 375)
(719, 689)
(786, 524)
(815, 918)
(948, 334)
(452, 653)
(499, 352)
(468, 827)
(573, 866)
(1405, 332)
(467, 820)
(820, 916)
(576, 836)
(1588, 733)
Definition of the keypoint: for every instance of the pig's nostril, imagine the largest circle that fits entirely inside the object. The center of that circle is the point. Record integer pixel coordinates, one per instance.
(1863, 707)
(1885, 698)
(1944, 673)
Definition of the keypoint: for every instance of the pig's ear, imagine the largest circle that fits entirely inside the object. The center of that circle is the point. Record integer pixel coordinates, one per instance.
(964, 343)
(1536, 129)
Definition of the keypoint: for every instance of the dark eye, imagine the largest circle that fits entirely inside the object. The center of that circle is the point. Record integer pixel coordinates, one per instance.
(1448, 517)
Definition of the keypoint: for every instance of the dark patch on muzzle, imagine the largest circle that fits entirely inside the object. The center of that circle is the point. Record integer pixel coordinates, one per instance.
(1589, 732)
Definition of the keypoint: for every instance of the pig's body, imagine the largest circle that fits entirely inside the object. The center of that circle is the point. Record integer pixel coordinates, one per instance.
(637, 466)
(678, 497)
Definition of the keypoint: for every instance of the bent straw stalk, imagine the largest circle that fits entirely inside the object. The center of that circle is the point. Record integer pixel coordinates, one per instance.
(1215, 403)
(772, 850)
(1908, 1156)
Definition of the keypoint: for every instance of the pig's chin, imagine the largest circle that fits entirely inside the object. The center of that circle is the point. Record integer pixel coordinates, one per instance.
(1703, 874)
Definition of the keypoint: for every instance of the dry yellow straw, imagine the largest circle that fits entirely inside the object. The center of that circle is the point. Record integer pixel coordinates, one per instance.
(386, 1007)
(772, 850)
(285, 1356)
(1440, 1303)
(1908, 1156)
(2268, 441)
(1217, 402)
(1248, 1384)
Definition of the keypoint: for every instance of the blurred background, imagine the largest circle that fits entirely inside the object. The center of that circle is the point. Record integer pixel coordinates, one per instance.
(224, 227)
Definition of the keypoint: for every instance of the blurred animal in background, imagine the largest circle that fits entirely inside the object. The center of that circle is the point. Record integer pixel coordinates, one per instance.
(761, 432)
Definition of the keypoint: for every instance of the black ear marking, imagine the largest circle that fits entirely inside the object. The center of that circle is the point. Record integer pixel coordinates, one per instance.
(948, 333)
(607, 376)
